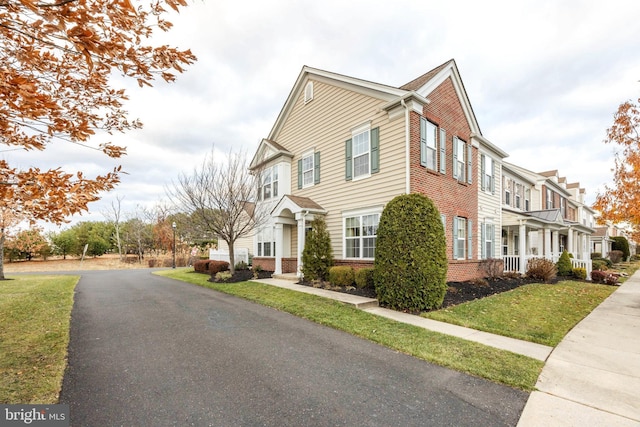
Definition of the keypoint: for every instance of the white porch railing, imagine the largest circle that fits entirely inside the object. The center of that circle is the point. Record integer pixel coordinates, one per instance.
(512, 263)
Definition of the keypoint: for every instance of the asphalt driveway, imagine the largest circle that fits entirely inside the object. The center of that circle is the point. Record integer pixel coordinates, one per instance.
(150, 351)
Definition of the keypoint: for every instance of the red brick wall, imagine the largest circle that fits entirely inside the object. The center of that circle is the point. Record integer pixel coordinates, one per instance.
(453, 198)
(289, 265)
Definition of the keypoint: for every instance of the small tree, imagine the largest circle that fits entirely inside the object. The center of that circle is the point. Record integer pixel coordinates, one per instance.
(317, 255)
(410, 266)
(221, 195)
(564, 264)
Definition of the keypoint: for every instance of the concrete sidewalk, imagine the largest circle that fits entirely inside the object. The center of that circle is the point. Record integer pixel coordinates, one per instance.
(536, 351)
(592, 378)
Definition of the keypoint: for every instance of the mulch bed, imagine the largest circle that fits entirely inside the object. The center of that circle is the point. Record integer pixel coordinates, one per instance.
(242, 276)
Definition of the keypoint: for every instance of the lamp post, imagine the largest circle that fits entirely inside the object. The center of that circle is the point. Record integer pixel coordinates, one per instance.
(174, 243)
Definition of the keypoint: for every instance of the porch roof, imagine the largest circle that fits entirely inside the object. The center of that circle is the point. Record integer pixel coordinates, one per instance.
(297, 204)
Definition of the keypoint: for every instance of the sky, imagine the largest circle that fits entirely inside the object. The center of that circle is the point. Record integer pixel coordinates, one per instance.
(544, 79)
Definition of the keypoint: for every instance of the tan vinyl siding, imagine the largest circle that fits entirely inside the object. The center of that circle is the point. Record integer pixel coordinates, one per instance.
(324, 124)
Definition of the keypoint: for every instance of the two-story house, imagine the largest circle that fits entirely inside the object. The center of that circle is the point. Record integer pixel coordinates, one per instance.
(343, 147)
(543, 215)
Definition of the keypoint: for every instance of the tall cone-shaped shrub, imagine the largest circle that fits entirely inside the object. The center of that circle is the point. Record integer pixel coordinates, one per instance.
(317, 255)
(410, 267)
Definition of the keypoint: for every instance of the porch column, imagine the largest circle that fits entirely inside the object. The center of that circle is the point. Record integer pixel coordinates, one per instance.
(547, 244)
(300, 217)
(555, 242)
(279, 248)
(522, 248)
(570, 247)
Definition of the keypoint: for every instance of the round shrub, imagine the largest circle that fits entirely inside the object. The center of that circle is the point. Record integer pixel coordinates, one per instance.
(341, 276)
(410, 266)
(364, 278)
(580, 273)
(620, 243)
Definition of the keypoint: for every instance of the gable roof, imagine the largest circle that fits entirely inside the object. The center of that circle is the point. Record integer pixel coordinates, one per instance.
(267, 150)
(297, 204)
(384, 92)
(428, 82)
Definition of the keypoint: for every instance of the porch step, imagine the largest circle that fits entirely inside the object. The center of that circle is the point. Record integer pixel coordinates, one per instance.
(292, 277)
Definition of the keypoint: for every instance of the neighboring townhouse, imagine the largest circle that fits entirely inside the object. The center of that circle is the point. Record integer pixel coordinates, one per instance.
(543, 215)
(602, 239)
(343, 147)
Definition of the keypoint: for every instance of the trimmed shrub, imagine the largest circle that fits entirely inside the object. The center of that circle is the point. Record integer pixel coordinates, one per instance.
(217, 266)
(620, 243)
(563, 265)
(410, 266)
(601, 263)
(541, 269)
(201, 265)
(579, 273)
(241, 266)
(317, 255)
(493, 267)
(615, 256)
(364, 278)
(595, 255)
(341, 276)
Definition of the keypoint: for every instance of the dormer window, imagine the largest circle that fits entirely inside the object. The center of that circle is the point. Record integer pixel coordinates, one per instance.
(308, 92)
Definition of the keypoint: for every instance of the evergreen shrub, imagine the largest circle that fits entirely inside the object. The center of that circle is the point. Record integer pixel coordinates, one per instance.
(364, 278)
(579, 273)
(620, 243)
(410, 266)
(341, 276)
(563, 265)
(317, 255)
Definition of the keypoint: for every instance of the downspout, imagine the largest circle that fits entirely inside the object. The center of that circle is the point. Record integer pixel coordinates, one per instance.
(407, 143)
(301, 241)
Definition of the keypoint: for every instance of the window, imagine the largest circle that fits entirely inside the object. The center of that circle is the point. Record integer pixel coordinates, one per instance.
(428, 150)
(360, 235)
(488, 236)
(362, 153)
(361, 150)
(527, 198)
(266, 243)
(549, 201)
(507, 191)
(518, 191)
(269, 183)
(309, 170)
(462, 161)
(308, 92)
(487, 180)
(462, 232)
(563, 208)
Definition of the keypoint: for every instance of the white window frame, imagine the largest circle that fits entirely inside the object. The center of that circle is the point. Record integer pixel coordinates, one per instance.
(488, 248)
(517, 197)
(507, 191)
(269, 182)
(266, 239)
(431, 162)
(462, 249)
(548, 199)
(364, 235)
(461, 159)
(357, 142)
(487, 177)
(308, 168)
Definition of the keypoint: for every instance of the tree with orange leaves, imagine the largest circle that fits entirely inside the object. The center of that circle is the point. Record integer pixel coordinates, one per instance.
(57, 59)
(621, 202)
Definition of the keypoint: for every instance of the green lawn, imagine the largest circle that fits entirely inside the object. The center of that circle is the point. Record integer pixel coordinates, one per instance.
(539, 313)
(466, 356)
(35, 314)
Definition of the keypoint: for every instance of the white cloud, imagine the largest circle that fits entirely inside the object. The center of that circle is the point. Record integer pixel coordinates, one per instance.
(544, 78)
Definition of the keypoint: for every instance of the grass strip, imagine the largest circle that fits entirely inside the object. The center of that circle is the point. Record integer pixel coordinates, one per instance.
(476, 359)
(540, 313)
(35, 313)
